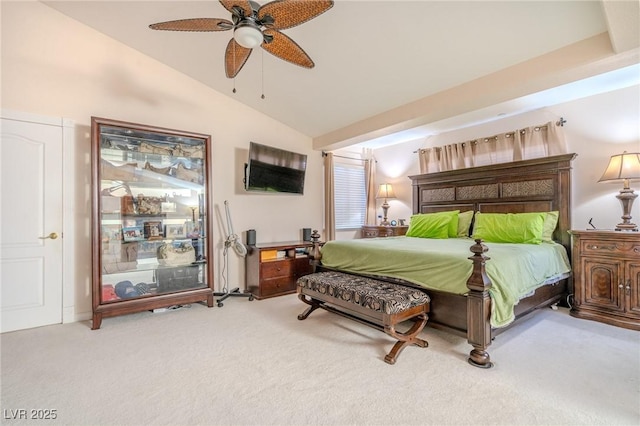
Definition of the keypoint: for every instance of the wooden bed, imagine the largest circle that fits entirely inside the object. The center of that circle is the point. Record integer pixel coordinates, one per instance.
(537, 185)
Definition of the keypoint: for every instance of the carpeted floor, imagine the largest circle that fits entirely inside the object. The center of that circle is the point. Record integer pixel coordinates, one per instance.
(254, 363)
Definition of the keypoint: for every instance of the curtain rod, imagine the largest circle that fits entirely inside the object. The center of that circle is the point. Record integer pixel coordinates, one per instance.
(324, 154)
(560, 123)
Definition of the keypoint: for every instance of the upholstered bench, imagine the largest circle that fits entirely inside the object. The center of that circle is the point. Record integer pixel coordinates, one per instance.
(370, 301)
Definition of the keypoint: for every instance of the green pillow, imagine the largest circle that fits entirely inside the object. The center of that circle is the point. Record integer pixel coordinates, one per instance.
(509, 227)
(464, 223)
(430, 225)
(550, 222)
(452, 232)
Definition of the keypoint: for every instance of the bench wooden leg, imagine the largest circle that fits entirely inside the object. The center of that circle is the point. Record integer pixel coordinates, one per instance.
(378, 320)
(405, 339)
(313, 305)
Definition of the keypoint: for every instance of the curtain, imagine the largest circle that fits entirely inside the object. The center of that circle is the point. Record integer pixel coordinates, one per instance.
(370, 184)
(524, 144)
(329, 202)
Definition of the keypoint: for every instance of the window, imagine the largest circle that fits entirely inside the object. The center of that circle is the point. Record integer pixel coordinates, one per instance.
(350, 195)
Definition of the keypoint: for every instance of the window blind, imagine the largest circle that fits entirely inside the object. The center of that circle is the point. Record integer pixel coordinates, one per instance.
(349, 195)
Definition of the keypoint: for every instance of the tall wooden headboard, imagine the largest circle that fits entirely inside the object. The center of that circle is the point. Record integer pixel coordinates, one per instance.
(541, 184)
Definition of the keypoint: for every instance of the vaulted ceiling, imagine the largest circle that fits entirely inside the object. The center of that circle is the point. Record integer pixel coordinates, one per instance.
(389, 71)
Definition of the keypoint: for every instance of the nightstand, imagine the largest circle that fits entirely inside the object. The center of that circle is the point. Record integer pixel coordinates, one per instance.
(373, 231)
(606, 272)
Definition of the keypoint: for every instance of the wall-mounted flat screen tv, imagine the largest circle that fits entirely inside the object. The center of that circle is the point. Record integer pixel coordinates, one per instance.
(274, 170)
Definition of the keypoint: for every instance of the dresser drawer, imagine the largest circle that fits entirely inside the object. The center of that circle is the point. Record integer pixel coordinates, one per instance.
(277, 286)
(609, 247)
(276, 268)
(369, 233)
(389, 231)
(373, 231)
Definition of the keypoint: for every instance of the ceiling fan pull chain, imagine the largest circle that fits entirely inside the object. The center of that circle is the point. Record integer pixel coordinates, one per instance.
(234, 67)
(262, 60)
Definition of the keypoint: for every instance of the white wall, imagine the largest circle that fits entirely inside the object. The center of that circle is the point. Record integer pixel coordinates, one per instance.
(597, 127)
(55, 66)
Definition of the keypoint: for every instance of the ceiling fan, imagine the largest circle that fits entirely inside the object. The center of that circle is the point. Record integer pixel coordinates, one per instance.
(254, 25)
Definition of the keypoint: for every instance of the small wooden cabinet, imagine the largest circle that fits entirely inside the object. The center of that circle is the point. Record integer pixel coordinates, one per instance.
(273, 269)
(373, 231)
(606, 269)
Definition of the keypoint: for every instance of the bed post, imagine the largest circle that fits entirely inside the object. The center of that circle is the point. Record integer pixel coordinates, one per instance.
(315, 253)
(479, 308)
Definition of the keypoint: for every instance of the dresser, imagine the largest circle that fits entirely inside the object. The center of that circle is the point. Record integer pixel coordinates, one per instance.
(373, 231)
(606, 270)
(272, 269)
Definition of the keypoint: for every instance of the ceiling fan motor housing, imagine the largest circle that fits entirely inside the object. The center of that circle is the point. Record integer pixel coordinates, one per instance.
(247, 33)
(247, 30)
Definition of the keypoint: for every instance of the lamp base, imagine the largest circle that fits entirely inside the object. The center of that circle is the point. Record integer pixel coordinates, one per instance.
(385, 209)
(626, 197)
(627, 227)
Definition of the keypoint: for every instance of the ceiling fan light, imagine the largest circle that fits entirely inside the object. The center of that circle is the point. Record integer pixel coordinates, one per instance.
(248, 36)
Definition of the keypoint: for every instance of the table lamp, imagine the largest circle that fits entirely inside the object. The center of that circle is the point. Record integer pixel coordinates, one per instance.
(385, 191)
(625, 167)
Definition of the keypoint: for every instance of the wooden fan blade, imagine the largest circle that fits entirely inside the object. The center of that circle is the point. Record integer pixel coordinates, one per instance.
(196, 24)
(289, 13)
(235, 58)
(286, 49)
(242, 4)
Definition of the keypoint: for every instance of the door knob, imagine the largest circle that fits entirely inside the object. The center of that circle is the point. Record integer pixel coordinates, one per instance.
(52, 235)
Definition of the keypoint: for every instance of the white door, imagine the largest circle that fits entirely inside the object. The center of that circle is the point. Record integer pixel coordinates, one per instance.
(31, 224)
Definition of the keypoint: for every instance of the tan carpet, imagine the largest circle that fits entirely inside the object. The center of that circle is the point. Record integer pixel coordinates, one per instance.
(254, 363)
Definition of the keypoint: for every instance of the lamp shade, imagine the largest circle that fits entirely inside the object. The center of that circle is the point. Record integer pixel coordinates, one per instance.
(386, 191)
(622, 166)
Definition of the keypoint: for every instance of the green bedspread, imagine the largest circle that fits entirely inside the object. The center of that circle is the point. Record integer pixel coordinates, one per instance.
(515, 270)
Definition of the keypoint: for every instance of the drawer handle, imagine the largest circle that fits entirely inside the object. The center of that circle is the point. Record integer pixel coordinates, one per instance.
(595, 247)
(627, 287)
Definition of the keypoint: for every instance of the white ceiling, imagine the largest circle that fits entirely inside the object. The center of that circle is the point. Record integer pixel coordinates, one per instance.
(371, 56)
